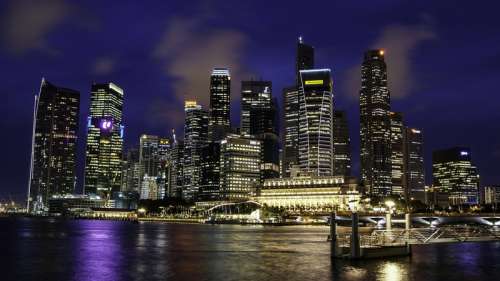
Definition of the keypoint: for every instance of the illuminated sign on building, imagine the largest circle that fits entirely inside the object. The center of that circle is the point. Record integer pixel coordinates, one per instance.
(314, 82)
(106, 124)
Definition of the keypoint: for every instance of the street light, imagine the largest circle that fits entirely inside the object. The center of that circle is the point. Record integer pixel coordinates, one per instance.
(388, 220)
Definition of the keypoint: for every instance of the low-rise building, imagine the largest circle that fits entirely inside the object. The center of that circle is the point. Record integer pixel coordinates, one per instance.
(323, 193)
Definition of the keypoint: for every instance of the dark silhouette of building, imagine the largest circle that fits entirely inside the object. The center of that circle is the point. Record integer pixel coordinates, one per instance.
(53, 155)
(304, 60)
(414, 169)
(341, 145)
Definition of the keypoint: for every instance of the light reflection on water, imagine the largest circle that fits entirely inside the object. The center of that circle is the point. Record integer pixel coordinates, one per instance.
(109, 250)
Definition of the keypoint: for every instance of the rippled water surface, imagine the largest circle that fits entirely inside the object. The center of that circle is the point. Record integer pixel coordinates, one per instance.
(57, 249)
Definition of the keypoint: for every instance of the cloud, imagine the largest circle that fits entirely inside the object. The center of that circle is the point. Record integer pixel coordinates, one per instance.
(190, 48)
(399, 42)
(26, 23)
(103, 66)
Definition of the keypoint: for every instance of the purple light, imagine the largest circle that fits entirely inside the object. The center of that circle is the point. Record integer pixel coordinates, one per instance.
(106, 124)
(464, 153)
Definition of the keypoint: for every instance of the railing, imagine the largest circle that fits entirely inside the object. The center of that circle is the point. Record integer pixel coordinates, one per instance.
(449, 234)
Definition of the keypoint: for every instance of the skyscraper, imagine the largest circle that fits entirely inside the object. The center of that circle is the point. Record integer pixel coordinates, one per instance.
(375, 125)
(454, 177)
(414, 169)
(315, 122)
(210, 172)
(291, 129)
(397, 153)
(304, 60)
(257, 108)
(220, 100)
(239, 167)
(258, 118)
(53, 155)
(341, 145)
(104, 140)
(195, 139)
(176, 169)
(131, 171)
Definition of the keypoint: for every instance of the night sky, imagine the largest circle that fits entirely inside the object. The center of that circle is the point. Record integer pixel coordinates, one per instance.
(443, 64)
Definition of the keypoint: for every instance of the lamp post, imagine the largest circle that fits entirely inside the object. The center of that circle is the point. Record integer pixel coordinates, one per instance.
(355, 243)
(388, 219)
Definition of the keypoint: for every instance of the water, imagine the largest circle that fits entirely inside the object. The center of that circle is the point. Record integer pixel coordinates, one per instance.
(57, 249)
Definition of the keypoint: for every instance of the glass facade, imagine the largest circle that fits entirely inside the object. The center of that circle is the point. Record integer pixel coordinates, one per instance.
(104, 140)
(454, 177)
(220, 101)
(397, 153)
(239, 167)
(53, 156)
(316, 122)
(195, 139)
(375, 125)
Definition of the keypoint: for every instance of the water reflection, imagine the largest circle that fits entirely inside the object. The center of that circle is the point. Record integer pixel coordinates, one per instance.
(107, 250)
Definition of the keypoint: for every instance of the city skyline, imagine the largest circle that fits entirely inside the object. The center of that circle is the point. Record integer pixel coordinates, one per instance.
(136, 116)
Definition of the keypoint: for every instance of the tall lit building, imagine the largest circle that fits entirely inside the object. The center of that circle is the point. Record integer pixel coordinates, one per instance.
(341, 145)
(53, 154)
(397, 153)
(220, 100)
(195, 139)
(454, 177)
(375, 125)
(414, 169)
(239, 167)
(104, 140)
(131, 171)
(164, 166)
(316, 122)
(304, 60)
(491, 195)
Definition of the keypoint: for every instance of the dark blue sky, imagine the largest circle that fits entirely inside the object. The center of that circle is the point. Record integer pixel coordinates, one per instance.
(443, 59)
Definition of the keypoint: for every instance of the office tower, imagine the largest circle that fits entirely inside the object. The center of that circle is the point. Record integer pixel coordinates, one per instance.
(257, 108)
(291, 129)
(414, 169)
(375, 125)
(239, 167)
(131, 172)
(259, 118)
(104, 140)
(220, 100)
(148, 156)
(210, 172)
(454, 177)
(165, 160)
(195, 139)
(53, 154)
(491, 196)
(397, 157)
(341, 145)
(304, 60)
(176, 170)
(315, 122)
